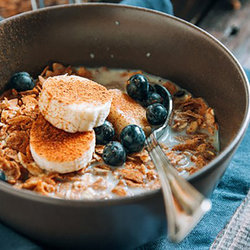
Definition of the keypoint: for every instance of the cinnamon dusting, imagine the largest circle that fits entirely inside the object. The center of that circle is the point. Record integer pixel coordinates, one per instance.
(125, 111)
(57, 145)
(75, 89)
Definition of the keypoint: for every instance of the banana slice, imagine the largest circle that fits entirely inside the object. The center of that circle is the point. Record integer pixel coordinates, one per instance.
(73, 103)
(125, 111)
(58, 151)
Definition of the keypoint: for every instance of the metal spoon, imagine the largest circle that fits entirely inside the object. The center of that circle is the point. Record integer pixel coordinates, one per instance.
(184, 205)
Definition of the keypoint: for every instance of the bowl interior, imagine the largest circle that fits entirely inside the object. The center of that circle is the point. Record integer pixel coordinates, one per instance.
(123, 37)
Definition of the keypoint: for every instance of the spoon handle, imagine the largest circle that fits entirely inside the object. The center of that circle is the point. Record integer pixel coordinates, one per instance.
(184, 205)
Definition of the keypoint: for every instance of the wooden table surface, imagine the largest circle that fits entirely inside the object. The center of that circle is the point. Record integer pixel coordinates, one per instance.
(218, 17)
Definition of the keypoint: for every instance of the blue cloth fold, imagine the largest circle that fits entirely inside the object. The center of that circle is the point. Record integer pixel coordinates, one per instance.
(160, 5)
(226, 198)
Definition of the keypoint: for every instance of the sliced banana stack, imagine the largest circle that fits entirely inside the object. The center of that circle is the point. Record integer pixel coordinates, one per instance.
(62, 139)
(73, 103)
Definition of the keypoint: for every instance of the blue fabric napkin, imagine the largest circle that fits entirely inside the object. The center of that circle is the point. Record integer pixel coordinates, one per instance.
(226, 198)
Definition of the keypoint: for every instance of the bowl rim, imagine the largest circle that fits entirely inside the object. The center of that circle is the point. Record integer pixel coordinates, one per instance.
(30, 195)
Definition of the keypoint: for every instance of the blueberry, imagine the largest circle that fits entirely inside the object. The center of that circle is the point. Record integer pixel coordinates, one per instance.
(104, 133)
(2, 176)
(156, 114)
(133, 138)
(138, 87)
(164, 93)
(114, 154)
(21, 81)
(152, 98)
(180, 93)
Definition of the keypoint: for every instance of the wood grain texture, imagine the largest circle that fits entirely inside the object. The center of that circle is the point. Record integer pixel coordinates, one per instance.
(192, 10)
(231, 27)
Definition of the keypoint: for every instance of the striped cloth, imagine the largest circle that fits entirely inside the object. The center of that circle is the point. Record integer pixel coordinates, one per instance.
(236, 234)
